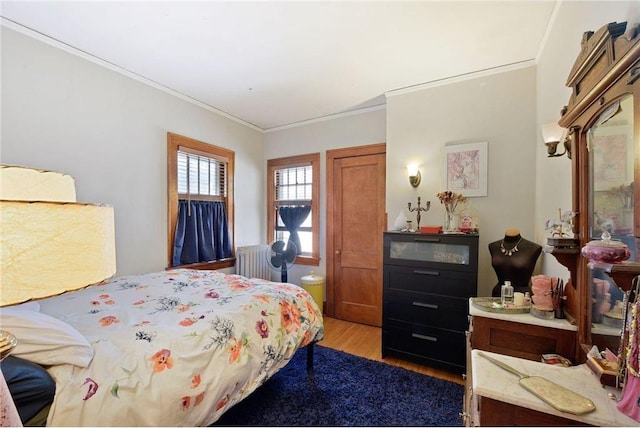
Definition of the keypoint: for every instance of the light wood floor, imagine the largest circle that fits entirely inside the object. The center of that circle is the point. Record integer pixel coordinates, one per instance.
(366, 341)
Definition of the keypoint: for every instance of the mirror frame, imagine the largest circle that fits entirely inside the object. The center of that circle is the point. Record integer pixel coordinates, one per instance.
(606, 69)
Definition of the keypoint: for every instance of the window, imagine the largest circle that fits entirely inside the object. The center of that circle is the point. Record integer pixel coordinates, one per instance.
(200, 204)
(203, 177)
(292, 198)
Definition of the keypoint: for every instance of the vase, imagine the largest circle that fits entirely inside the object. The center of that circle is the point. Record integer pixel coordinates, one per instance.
(451, 222)
(627, 220)
(400, 222)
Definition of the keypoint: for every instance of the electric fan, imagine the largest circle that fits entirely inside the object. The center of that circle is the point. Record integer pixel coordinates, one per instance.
(281, 256)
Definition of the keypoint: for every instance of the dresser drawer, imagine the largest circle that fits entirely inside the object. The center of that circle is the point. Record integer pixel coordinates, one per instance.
(430, 281)
(426, 345)
(425, 309)
(439, 251)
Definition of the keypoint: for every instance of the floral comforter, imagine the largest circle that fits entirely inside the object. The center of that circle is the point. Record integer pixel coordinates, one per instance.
(177, 347)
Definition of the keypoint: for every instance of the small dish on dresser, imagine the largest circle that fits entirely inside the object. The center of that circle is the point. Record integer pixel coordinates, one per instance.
(542, 312)
(493, 304)
(614, 318)
(612, 321)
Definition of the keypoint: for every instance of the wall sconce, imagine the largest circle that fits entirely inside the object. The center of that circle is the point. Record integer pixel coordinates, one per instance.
(553, 134)
(414, 175)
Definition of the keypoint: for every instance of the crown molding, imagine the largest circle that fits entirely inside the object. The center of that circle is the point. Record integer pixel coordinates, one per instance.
(99, 61)
(545, 36)
(461, 78)
(327, 118)
(400, 91)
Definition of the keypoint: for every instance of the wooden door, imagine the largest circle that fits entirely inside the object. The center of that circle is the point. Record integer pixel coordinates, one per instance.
(355, 222)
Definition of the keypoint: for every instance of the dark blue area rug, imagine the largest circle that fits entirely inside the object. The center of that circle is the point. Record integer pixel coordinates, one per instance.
(346, 390)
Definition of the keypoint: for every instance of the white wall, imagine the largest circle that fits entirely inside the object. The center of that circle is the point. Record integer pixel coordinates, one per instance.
(498, 109)
(553, 175)
(320, 136)
(506, 110)
(64, 113)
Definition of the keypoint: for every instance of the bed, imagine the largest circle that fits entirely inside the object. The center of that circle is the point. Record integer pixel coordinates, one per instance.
(172, 348)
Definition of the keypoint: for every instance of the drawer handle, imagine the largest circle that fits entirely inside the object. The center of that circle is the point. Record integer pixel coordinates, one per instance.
(423, 337)
(425, 305)
(427, 272)
(426, 239)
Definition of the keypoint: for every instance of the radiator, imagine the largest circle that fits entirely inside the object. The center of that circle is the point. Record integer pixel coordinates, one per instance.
(251, 261)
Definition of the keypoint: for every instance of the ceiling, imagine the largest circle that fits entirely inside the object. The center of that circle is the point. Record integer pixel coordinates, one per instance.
(272, 64)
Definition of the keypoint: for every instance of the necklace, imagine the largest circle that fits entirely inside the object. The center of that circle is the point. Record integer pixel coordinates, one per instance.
(510, 251)
(622, 347)
(632, 346)
(628, 355)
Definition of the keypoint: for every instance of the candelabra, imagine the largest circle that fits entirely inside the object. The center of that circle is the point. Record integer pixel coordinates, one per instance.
(417, 211)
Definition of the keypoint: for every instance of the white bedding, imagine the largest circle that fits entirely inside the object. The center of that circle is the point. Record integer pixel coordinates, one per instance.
(177, 347)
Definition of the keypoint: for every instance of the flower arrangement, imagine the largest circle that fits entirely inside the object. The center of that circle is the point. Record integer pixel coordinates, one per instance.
(624, 194)
(451, 200)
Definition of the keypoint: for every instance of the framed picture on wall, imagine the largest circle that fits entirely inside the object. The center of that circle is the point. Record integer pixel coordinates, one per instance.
(464, 169)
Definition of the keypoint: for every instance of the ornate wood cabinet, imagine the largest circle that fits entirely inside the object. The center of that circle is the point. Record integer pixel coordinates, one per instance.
(602, 119)
(603, 123)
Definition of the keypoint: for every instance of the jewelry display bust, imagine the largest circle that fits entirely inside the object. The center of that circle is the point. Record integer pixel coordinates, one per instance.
(513, 259)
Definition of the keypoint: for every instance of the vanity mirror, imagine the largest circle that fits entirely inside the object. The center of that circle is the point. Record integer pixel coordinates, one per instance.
(611, 172)
(602, 118)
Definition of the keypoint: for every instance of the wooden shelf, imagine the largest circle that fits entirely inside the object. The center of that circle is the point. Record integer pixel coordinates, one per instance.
(567, 257)
(623, 274)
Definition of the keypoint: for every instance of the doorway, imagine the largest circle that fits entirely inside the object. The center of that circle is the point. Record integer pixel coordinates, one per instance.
(355, 222)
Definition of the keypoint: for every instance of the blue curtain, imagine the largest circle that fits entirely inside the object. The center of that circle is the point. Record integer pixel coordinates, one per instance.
(293, 217)
(202, 233)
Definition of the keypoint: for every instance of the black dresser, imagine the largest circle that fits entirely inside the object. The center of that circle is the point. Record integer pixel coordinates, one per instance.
(428, 280)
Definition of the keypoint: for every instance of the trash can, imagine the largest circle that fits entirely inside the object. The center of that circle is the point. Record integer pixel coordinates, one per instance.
(314, 284)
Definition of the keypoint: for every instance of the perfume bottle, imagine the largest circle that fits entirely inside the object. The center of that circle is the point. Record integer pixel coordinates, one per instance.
(506, 293)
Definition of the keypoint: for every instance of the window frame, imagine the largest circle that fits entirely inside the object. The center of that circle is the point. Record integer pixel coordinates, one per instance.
(312, 159)
(174, 142)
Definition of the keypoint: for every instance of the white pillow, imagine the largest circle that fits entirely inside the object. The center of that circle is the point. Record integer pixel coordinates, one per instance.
(45, 340)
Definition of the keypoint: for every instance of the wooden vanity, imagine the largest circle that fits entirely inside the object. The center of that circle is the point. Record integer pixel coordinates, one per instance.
(520, 335)
(490, 396)
(498, 399)
(601, 119)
